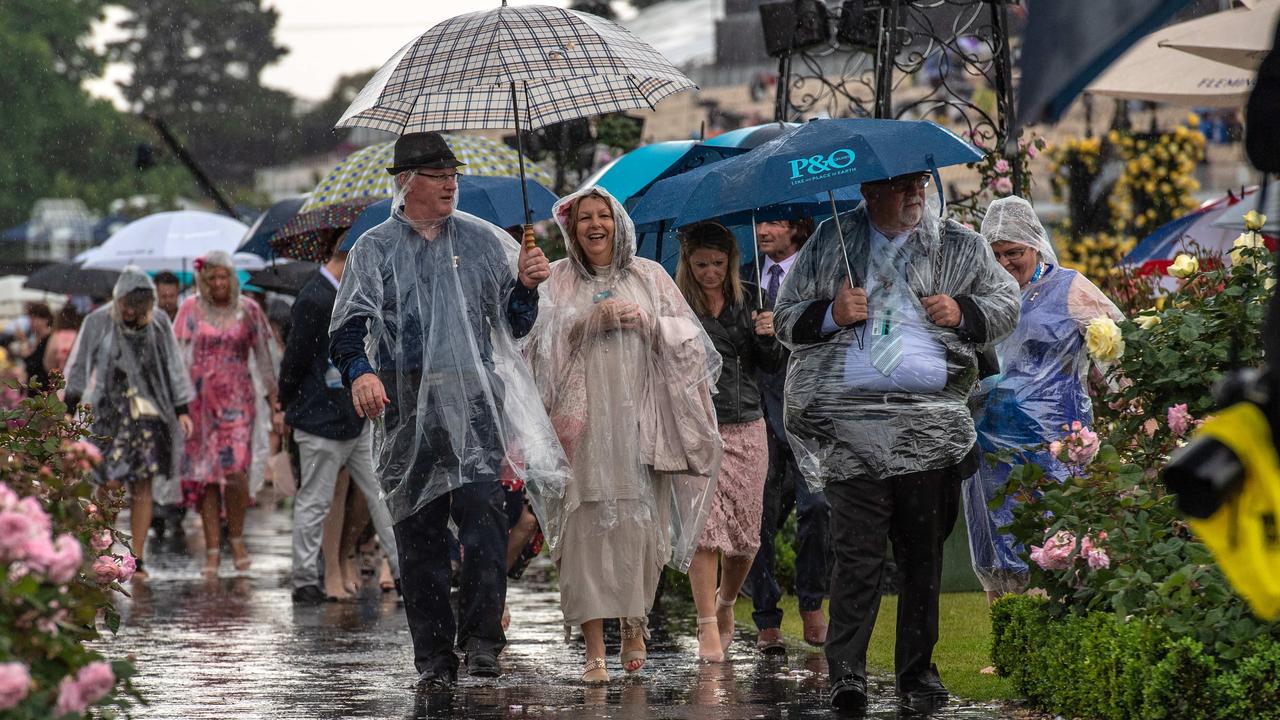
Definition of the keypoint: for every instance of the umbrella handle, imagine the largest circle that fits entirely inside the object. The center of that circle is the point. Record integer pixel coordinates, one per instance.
(530, 241)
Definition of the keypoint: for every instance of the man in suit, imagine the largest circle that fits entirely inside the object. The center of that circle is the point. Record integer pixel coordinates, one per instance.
(785, 489)
(327, 429)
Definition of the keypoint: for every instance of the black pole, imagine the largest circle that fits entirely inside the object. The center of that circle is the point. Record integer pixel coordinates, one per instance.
(524, 191)
(1004, 90)
(185, 158)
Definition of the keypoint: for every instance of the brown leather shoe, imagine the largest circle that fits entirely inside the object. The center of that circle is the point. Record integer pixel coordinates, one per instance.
(769, 642)
(815, 627)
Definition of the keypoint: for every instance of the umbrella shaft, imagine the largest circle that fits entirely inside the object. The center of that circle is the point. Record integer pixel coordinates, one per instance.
(524, 190)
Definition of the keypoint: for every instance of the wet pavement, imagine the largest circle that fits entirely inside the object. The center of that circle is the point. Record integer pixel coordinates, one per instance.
(237, 647)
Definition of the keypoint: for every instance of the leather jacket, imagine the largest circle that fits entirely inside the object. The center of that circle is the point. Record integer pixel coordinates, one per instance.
(745, 355)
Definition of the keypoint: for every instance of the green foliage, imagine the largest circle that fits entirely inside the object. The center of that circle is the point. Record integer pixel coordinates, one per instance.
(618, 131)
(1103, 666)
(46, 621)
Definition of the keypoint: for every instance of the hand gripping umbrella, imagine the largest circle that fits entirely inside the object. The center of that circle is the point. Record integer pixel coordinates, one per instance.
(472, 70)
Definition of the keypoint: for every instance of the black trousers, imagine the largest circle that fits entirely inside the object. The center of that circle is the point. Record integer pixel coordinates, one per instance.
(423, 543)
(916, 512)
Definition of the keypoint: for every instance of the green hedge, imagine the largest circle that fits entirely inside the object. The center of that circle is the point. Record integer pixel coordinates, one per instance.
(1102, 666)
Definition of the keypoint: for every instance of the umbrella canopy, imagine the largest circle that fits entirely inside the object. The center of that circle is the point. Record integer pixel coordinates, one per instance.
(1240, 38)
(818, 157)
(1204, 230)
(72, 278)
(752, 136)
(556, 64)
(630, 176)
(171, 241)
(258, 239)
(286, 278)
(311, 235)
(14, 297)
(363, 174)
(1148, 71)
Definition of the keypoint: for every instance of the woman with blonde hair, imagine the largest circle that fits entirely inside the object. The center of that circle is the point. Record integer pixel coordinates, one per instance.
(219, 331)
(625, 371)
(708, 276)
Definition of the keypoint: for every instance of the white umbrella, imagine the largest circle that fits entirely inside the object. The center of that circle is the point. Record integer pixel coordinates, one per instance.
(1236, 37)
(172, 241)
(1148, 71)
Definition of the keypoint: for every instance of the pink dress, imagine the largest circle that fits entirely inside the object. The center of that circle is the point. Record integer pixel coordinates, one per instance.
(217, 344)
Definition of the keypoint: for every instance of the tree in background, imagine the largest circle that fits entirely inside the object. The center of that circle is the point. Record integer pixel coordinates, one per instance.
(316, 133)
(197, 64)
(58, 141)
(595, 7)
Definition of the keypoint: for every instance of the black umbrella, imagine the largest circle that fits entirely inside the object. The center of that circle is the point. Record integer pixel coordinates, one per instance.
(286, 278)
(69, 278)
(256, 240)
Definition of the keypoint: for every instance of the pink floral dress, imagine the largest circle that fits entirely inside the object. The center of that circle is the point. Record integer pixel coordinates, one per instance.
(218, 343)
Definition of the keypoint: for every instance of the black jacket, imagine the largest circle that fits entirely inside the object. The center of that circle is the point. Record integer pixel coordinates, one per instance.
(310, 404)
(745, 355)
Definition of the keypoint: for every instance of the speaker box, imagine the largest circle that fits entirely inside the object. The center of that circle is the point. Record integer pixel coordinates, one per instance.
(860, 24)
(794, 25)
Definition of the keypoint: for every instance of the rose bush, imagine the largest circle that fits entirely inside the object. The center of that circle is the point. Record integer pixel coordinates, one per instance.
(60, 562)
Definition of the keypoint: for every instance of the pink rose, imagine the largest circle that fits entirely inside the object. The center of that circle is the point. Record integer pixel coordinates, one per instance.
(15, 683)
(128, 566)
(1032, 150)
(1056, 551)
(1150, 427)
(1002, 166)
(38, 550)
(31, 507)
(101, 541)
(1055, 448)
(106, 569)
(15, 530)
(1082, 451)
(1002, 185)
(66, 559)
(70, 698)
(8, 498)
(96, 680)
(1098, 559)
(1179, 419)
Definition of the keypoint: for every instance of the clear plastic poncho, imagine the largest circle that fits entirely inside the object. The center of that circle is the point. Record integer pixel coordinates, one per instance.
(126, 373)
(463, 403)
(632, 408)
(1012, 219)
(887, 397)
(1041, 388)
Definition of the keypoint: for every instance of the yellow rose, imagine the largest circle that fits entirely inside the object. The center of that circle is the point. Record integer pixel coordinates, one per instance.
(1146, 322)
(1248, 240)
(1184, 266)
(1160, 301)
(1105, 342)
(1269, 283)
(1253, 221)
(1193, 120)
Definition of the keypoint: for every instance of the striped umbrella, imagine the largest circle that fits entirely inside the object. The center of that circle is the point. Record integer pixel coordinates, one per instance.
(513, 67)
(363, 174)
(311, 235)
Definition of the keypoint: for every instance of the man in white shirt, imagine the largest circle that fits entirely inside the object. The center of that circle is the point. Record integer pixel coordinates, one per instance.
(884, 318)
(785, 488)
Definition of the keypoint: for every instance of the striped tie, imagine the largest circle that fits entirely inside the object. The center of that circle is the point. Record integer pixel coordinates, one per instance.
(886, 347)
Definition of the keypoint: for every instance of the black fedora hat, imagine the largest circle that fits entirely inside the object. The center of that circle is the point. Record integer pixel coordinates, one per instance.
(423, 150)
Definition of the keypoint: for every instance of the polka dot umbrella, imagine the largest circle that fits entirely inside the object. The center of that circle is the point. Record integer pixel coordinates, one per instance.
(363, 174)
(310, 235)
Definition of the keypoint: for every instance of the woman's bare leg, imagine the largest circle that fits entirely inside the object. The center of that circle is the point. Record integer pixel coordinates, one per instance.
(702, 580)
(331, 538)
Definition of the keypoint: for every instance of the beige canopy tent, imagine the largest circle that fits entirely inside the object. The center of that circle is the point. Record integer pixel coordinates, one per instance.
(1149, 71)
(1239, 37)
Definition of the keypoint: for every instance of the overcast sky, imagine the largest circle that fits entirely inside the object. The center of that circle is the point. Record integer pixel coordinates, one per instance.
(331, 38)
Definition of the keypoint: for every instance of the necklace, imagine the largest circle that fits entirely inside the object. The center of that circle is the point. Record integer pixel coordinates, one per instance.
(1039, 272)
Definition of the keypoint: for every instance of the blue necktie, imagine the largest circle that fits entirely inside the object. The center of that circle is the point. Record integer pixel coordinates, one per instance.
(775, 280)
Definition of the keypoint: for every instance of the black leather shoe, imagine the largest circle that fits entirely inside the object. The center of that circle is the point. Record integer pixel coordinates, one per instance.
(924, 694)
(849, 695)
(436, 680)
(309, 595)
(482, 665)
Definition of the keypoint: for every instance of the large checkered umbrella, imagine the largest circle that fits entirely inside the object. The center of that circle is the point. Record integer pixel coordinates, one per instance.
(362, 175)
(526, 66)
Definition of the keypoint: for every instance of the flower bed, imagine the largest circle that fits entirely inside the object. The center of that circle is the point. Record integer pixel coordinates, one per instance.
(60, 561)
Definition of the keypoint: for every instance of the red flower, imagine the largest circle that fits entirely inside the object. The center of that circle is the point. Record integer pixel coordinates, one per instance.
(198, 264)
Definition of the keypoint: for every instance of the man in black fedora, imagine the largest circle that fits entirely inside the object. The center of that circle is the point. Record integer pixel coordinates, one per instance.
(435, 294)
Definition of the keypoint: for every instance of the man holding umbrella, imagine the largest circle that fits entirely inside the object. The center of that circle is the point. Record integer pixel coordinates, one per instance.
(884, 315)
(434, 292)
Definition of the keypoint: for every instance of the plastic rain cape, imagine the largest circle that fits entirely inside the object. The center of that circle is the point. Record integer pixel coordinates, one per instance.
(463, 404)
(1042, 387)
(845, 414)
(111, 361)
(632, 407)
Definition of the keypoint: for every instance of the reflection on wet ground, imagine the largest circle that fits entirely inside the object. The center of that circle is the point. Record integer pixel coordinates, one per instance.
(237, 647)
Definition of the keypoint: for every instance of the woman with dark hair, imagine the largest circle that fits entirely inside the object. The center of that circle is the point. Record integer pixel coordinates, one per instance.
(707, 275)
(219, 331)
(127, 367)
(40, 329)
